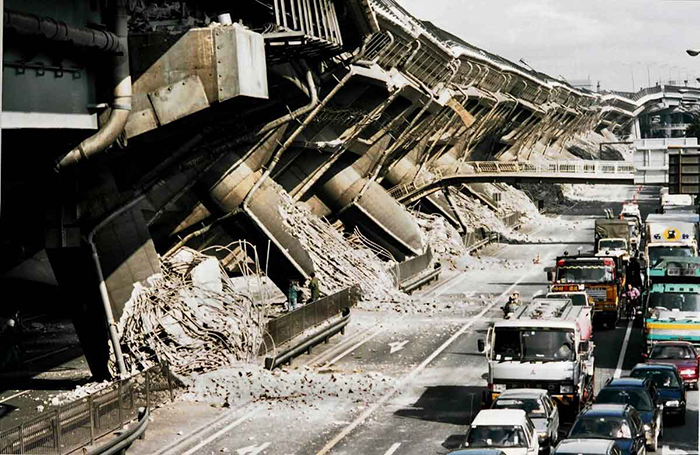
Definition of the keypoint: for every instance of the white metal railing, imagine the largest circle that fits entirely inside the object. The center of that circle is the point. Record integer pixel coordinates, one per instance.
(573, 168)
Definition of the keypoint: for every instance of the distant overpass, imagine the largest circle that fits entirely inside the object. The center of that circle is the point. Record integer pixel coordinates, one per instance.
(588, 172)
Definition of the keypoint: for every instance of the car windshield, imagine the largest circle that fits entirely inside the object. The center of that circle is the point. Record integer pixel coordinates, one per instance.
(639, 399)
(609, 244)
(658, 252)
(678, 301)
(601, 427)
(534, 345)
(672, 352)
(594, 273)
(496, 436)
(663, 379)
(532, 406)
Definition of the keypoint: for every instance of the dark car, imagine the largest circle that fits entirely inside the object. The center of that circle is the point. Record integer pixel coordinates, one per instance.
(618, 422)
(680, 353)
(669, 386)
(642, 395)
(587, 447)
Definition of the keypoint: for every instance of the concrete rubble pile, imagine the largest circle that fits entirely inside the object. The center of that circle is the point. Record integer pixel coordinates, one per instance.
(339, 261)
(303, 387)
(444, 240)
(191, 317)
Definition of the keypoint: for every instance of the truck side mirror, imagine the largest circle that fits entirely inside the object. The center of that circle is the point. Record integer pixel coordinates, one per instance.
(550, 276)
(481, 346)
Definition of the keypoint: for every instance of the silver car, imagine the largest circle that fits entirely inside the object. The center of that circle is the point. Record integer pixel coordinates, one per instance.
(540, 408)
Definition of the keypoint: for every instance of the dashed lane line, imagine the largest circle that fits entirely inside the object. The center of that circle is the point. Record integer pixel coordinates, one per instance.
(621, 359)
(18, 394)
(394, 447)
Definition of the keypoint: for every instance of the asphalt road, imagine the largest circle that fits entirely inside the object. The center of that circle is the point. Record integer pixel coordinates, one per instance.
(439, 376)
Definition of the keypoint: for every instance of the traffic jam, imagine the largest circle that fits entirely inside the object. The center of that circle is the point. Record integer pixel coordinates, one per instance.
(542, 391)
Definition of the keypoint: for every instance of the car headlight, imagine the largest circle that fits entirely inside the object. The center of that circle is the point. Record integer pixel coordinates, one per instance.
(566, 389)
(688, 371)
(499, 388)
(673, 403)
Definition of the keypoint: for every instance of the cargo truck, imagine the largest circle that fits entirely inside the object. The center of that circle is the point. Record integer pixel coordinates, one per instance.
(613, 237)
(672, 305)
(678, 203)
(545, 345)
(670, 234)
(603, 278)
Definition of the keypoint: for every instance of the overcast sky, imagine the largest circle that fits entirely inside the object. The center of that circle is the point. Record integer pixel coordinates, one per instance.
(612, 41)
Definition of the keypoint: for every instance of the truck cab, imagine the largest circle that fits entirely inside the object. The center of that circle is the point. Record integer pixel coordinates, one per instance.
(603, 277)
(672, 304)
(545, 345)
(670, 234)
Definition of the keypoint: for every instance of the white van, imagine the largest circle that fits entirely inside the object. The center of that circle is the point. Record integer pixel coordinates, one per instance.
(509, 430)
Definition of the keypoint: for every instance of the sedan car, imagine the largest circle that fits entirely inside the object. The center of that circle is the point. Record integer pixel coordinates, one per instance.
(640, 394)
(540, 408)
(618, 422)
(680, 353)
(669, 386)
(587, 447)
(509, 430)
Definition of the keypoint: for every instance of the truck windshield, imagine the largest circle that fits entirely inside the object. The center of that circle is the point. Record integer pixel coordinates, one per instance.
(679, 301)
(496, 436)
(612, 244)
(541, 344)
(657, 252)
(598, 273)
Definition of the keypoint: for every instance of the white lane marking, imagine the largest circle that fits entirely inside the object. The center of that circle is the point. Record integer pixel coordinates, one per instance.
(397, 346)
(621, 359)
(344, 343)
(18, 394)
(220, 432)
(253, 450)
(355, 346)
(340, 436)
(667, 450)
(47, 355)
(394, 447)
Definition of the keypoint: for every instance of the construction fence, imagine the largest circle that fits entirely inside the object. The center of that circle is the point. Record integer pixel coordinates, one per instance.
(68, 427)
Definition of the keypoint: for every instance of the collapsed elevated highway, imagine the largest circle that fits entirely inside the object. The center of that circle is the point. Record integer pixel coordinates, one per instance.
(169, 126)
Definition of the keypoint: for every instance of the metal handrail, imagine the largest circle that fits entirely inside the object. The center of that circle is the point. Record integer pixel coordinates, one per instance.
(570, 168)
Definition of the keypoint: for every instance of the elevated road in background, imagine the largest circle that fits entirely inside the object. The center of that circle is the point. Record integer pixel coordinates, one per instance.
(588, 172)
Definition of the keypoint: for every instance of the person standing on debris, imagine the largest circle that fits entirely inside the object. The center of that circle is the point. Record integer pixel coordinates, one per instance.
(293, 291)
(314, 288)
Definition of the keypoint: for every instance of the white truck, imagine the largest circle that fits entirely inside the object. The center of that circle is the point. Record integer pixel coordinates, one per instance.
(670, 234)
(545, 345)
(677, 203)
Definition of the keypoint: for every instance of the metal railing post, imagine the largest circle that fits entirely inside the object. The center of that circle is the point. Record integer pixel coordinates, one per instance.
(148, 389)
(121, 404)
(58, 428)
(91, 404)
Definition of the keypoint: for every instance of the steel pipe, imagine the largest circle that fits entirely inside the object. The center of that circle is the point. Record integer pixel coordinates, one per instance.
(48, 28)
(121, 107)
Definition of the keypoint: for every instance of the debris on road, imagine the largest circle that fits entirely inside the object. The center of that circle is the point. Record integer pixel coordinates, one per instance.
(191, 316)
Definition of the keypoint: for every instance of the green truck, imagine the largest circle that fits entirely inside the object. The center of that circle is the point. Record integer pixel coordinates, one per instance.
(672, 304)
